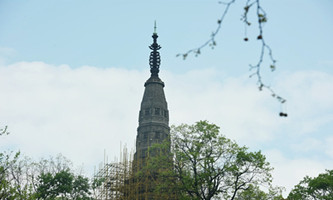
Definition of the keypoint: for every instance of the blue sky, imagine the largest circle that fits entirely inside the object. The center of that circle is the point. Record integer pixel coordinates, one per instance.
(72, 74)
(75, 30)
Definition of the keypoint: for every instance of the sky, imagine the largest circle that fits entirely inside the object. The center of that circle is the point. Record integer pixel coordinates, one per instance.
(72, 78)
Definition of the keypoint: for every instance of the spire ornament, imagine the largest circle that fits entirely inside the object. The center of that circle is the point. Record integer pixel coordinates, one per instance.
(154, 58)
(155, 27)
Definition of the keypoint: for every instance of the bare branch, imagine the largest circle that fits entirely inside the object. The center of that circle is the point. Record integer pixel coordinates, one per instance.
(4, 131)
(265, 51)
(211, 41)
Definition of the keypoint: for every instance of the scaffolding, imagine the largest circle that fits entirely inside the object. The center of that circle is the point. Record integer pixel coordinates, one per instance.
(124, 181)
(111, 177)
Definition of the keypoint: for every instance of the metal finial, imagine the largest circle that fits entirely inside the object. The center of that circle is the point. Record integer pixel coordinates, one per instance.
(154, 58)
(155, 27)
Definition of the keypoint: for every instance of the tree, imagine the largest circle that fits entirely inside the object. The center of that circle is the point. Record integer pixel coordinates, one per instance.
(63, 184)
(81, 188)
(208, 165)
(13, 178)
(157, 173)
(255, 193)
(22, 178)
(320, 187)
(8, 189)
(45, 190)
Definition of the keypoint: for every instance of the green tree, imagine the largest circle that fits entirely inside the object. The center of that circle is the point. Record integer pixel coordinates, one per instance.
(317, 188)
(158, 172)
(255, 193)
(7, 190)
(45, 187)
(13, 184)
(22, 178)
(81, 187)
(63, 184)
(210, 166)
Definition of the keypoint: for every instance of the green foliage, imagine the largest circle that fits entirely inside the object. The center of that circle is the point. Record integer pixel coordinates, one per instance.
(63, 184)
(209, 165)
(255, 193)
(21, 178)
(320, 187)
(45, 190)
(97, 182)
(81, 188)
(157, 175)
(10, 183)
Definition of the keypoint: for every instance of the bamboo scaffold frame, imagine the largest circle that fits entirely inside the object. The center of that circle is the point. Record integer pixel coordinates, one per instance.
(124, 181)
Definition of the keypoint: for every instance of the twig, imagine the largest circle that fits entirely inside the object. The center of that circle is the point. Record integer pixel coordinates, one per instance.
(262, 18)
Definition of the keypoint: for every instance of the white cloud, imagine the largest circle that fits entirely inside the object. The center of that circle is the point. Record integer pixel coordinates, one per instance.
(329, 147)
(79, 112)
(308, 90)
(289, 172)
(310, 100)
(308, 145)
(233, 103)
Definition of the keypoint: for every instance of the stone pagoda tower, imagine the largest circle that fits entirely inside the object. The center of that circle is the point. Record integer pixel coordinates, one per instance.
(154, 115)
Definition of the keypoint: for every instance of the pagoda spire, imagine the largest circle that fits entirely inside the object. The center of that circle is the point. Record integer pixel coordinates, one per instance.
(153, 129)
(154, 58)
